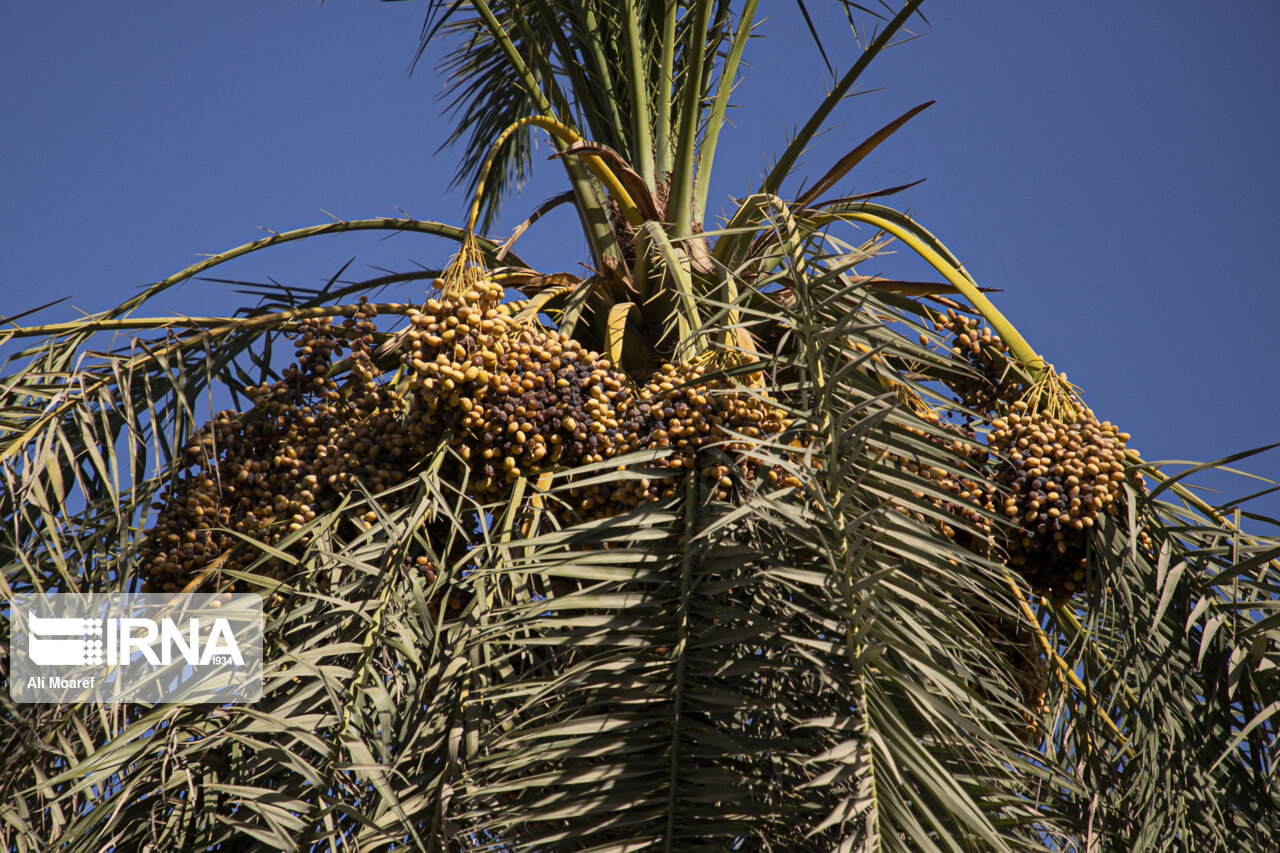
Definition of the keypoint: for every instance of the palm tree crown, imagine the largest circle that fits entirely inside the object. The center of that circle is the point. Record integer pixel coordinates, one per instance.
(724, 545)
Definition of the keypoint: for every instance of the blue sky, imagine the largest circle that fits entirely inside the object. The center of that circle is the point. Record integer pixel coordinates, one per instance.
(1109, 166)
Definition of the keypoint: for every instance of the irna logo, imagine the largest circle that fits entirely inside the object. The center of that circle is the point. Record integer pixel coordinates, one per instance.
(147, 648)
(61, 641)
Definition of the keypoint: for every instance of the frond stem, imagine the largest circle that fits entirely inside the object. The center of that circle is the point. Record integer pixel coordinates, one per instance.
(1064, 669)
(1018, 346)
(569, 136)
(212, 326)
(435, 229)
(679, 209)
(666, 82)
(681, 651)
(715, 119)
(641, 130)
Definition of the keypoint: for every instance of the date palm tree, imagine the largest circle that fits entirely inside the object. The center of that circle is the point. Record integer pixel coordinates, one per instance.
(724, 545)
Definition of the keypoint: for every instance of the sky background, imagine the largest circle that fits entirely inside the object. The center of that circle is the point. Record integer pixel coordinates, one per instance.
(1110, 166)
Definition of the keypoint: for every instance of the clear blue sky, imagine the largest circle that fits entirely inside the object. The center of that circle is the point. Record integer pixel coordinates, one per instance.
(1110, 166)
